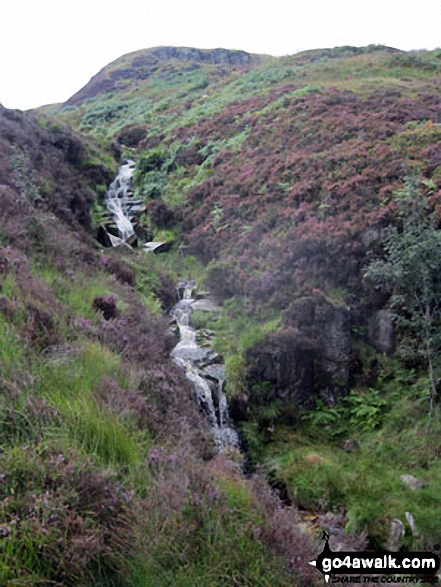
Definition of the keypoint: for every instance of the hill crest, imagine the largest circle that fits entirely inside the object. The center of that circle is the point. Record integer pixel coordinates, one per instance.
(140, 65)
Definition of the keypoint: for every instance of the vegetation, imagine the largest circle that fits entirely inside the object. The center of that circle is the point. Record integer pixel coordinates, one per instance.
(284, 185)
(108, 475)
(411, 269)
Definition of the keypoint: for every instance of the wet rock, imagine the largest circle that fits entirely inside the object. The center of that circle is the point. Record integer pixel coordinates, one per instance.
(412, 482)
(103, 237)
(142, 232)
(132, 240)
(211, 358)
(195, 355)
(396, 535)
(206, 305)
(158, 247)
(204, 369)
(214, 373)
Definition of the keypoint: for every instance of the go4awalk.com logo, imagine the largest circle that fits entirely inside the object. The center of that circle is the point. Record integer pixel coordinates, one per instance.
(377, 567)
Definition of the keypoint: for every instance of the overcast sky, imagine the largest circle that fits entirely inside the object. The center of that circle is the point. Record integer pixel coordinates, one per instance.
(49, 49)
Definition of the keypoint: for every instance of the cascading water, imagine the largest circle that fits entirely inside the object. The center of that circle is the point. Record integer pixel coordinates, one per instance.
(119, 200)
(202, 365)
(203, 370)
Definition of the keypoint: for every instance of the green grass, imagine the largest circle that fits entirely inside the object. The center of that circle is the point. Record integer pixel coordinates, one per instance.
(403, 439)
(78, 292)
(12, 352)
(89, 426)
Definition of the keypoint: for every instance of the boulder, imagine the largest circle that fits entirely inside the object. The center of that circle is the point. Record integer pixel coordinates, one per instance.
(412, 482)
(396, 535)
(103, 237)
(351, 445)
(158, 247)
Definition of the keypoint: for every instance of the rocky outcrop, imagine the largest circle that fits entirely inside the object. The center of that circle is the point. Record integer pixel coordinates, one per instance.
(286, 364)
(307, 360)
(214, 56)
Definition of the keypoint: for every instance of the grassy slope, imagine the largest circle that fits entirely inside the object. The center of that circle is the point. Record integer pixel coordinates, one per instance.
(108, 476)
(301, 155)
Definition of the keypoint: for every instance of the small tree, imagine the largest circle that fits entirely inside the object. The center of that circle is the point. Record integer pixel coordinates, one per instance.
(411, 271)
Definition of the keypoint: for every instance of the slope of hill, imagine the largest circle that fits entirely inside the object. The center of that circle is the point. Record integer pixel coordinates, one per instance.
(283, 176)
(301, 154)
(108, 474)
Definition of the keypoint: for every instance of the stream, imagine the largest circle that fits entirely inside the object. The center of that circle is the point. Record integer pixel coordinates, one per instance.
(119, 200)
(203, 368)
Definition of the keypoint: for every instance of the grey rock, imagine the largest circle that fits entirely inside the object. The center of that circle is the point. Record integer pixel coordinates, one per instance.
(103, 237)
(206, 305)
(411, 522)
(158, 247)
(396, 534)
(412, 482)
(215, 56)
(351, 445)
(336, 340)
(381, 332)
(214, 373)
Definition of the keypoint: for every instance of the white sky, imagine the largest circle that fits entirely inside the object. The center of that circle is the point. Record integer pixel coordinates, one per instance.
(49, 49)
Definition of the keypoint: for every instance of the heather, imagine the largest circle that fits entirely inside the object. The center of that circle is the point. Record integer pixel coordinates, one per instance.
(105, 477)
(280, 184)
(109, 475)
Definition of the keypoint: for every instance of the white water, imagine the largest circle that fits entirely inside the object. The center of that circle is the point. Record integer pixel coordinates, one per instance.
(118, 197)
(208, 379)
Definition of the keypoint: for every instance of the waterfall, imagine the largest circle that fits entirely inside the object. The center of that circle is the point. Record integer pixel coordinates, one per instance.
(203, 369)
(202, 366)
(119, 200)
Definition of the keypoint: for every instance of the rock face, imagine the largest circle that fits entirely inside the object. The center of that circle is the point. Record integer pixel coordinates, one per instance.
(309, 358)
(215, 56)
(287, 363)
(381, 332)
(336, 345)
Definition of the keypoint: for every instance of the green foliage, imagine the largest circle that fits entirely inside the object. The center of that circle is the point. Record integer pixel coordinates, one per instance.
(103, 113)
(200, 319)
(78, 294)
(361, 412)
(411, 272)
(235, 373)
(11, 351)
(24, 175)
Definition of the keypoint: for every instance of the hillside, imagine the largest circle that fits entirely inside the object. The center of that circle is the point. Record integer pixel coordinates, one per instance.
(304, 193)
(302, 155)
(108, 473)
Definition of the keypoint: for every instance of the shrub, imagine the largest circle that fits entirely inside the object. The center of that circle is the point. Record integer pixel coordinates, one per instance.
(64, 520)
